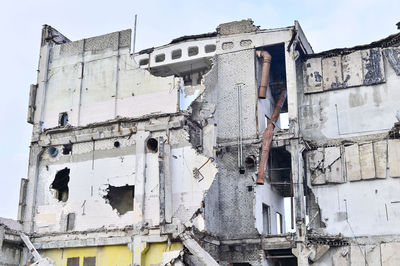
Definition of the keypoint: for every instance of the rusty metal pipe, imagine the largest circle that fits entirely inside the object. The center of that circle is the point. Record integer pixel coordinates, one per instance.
(262, 90)
(267, 138)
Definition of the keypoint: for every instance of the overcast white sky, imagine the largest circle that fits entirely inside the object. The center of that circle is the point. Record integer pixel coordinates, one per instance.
(327, 25)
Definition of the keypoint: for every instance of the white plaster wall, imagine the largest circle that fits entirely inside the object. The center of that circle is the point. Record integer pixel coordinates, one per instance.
(187, 191)
(264, 194)
(95, 86)
(116, 166)
(351, 111)
(88, 181)
(370, 207)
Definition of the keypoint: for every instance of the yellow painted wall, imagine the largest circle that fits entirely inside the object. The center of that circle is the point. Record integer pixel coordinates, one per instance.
(153, 254)
(118, 255)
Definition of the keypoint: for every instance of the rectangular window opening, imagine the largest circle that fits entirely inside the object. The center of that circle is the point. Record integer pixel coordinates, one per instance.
(89, 261)
(266, 219)
(73, 261)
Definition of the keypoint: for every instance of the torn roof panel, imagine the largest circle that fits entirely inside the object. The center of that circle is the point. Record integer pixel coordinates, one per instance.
(391, 40)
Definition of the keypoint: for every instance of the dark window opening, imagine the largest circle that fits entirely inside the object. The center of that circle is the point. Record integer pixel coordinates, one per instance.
(193, 50)
(67, 149)
(73, 261)
(117, 144)
(144, 62)
(89, 261)
(176, 54)
(279, 171)
(160, 58)
(60, 184)
(266, 219)
(63, 119)
(209, 48)
(52, 151)
(279, 177)
(279, 257)
(152, 145)
(121, 198)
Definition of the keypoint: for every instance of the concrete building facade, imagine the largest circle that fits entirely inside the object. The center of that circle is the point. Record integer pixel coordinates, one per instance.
(235, 147)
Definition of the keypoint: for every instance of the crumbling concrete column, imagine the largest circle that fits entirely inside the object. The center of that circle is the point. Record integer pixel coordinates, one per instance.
(140, 176)
(27, 216)
(139, 248)
(302, 253)
(291, 87)
(296, 150)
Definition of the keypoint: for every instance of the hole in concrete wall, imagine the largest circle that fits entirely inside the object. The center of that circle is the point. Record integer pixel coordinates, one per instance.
(52, 151)
(160, 58)
(209, 48)
(250, 161)
(63, 119)
(144, 62)
(175, 54)
(117, 144)
(60, 184)
(67, 149)
(152, 145)
(193, 50)
(120, 198)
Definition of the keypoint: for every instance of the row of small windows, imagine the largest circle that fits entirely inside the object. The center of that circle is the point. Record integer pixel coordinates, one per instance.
(176, 54)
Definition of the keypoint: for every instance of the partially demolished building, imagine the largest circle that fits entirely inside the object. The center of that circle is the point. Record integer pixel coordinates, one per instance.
(180, 154)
